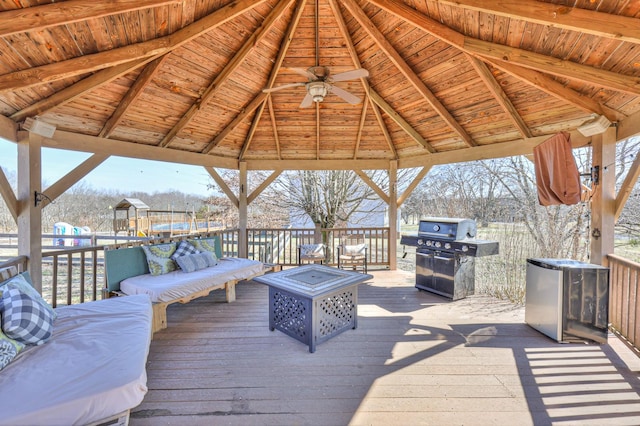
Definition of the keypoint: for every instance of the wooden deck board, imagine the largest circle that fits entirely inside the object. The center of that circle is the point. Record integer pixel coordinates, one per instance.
(415, 358)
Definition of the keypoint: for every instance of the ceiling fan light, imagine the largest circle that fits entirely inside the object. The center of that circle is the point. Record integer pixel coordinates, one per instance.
(317, 91)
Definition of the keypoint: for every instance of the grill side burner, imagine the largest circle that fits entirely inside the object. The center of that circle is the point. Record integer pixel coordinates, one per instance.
(445, 255)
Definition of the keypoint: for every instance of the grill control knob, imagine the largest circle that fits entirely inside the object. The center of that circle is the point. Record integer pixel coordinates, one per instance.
(428, 243)
(438, 244)
(420, 242)
(447, 246)
(465, 248)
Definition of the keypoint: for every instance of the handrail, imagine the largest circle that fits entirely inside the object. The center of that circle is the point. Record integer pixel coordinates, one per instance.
(75, 274)
(624, 293)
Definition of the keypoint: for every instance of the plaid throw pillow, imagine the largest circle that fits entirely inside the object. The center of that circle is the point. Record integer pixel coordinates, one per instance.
(24, 318)
(184, 248)
(197, 261)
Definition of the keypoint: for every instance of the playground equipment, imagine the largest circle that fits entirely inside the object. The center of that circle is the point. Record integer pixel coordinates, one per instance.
(136, 219)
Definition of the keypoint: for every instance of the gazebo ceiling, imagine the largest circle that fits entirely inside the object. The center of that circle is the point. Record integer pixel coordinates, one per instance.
(184, 80)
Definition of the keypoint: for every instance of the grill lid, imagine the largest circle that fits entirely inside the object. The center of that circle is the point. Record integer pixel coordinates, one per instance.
(447, 228)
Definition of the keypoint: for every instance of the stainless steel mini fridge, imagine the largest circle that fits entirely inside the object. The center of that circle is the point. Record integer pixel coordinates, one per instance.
(568, 300)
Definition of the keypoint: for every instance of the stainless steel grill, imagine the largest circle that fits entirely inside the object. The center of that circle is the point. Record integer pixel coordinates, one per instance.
(446, 249)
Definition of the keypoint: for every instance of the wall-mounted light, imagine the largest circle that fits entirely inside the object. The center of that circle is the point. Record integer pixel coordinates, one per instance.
(39, 127)
(595, 127)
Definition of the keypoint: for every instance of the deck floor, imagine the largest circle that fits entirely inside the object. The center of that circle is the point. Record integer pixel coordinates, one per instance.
(415, 358)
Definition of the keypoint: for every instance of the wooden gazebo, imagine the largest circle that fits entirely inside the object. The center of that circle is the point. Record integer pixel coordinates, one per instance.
(184, 81)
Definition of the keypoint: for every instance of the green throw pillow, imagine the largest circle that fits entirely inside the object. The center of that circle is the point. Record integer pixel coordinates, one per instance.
(9, 349)
(206, 244)
(159, 258)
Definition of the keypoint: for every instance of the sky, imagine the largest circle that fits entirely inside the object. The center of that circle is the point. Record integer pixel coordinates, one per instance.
(116, 173)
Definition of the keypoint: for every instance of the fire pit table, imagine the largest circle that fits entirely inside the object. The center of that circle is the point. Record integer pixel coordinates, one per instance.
(313, 303)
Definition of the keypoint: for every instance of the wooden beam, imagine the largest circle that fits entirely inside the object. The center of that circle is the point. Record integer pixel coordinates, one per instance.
(146, 49)
(223, 186)
(412, 186)
(264, 185)
(627, 187)
(317, 108)
(480, 48)
(342, 164)
(238, 60)
(36, 18)
(392, 213)
(274, 125)
(366, 179)
(379, 101)
(243, 246)
(8, 195)
(585, 21)
(8, 129)
(629, 127)
(92, 144)
(496, 90)
(551, 65)
(395, 57)
(133, 93)
(485, 152)
(248, 110)
(67, 181)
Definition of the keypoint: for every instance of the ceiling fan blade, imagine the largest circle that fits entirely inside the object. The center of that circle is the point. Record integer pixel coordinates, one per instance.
(284, 86)
(352, 99)
(350, 75)
(305, 73)
(307, 101)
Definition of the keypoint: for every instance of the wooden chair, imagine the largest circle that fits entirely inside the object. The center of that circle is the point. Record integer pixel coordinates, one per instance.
(311, 253)
(352, 252)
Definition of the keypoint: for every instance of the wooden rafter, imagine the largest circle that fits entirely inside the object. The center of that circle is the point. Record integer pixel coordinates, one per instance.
(317, 111)
(284, 48)
(132, 94)
(223, 186)
(68, 94)
(274, 126)
(257, 101)
(253, 128)
(248, 110)
(67, 181)
(499, 95)
(363, 118)
(37, 18)
(406, 70)
(238, 59)
(146, 49)
(379, 101)
(365, 83)
(485, 49)
(556, 89)
(599, 24)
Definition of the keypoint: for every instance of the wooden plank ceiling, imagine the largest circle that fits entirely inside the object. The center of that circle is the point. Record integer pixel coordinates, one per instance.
(187, 77)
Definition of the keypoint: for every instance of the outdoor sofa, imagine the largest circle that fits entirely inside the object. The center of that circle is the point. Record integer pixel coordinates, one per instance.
(169, 273)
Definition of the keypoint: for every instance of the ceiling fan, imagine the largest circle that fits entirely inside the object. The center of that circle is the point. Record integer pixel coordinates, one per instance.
(320, 84)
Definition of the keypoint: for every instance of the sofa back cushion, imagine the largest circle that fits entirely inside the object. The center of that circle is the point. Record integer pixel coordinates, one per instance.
(124, 263)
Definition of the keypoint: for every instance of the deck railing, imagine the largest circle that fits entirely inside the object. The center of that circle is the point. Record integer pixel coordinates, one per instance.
(73, 275)
(624, 293)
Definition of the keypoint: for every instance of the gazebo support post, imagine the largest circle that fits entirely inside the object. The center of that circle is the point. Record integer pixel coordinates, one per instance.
(393, 214)
(29, 210)
(242, 211)
(603, 200)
